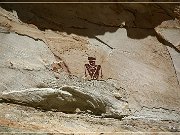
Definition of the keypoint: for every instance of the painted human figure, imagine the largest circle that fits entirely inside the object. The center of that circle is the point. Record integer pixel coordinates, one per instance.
(92, 69)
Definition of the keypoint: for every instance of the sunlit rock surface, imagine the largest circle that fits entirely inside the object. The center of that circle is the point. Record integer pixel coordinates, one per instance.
(170, 32)
(42, 67)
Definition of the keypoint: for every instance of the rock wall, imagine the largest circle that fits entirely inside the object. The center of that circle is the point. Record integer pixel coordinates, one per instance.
(44, 47)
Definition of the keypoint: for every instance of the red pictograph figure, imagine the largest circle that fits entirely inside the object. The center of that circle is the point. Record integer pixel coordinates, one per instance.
(92, 69)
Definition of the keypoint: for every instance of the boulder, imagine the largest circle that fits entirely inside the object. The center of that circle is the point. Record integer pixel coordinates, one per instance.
(68, 99)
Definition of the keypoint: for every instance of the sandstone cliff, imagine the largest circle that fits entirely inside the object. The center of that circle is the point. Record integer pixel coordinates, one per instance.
(44, 48)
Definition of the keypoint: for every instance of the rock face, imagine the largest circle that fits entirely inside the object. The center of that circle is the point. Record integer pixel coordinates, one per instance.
(43, 57)
(25, 60)
(69, 99)
(170, 32)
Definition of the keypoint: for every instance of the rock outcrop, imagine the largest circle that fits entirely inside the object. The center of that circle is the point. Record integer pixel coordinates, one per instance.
(43, 56)
(69, 99)
(170, 32)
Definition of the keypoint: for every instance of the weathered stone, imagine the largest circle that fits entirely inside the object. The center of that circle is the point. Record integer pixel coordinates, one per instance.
(68, 99)
(142, 67)
(45, 69)
(170, 32)
(24, 62)
(177, 12)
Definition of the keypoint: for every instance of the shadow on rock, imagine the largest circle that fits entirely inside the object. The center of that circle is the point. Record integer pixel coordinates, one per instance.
(92, 20)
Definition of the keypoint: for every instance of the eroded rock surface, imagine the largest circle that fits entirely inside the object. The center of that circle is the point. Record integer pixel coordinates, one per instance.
(25, 60)
(68, 99)
(42, 62)
(170, 32)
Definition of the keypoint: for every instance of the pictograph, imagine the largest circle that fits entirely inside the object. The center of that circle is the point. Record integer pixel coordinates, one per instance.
(93, 70)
